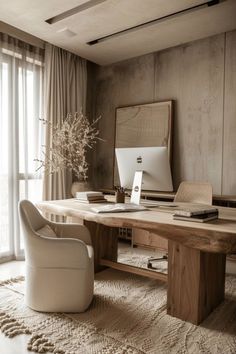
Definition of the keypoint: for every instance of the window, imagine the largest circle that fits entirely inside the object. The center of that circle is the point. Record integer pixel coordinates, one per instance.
(21, 136)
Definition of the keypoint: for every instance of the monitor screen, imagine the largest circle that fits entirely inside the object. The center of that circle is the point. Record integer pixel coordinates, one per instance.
(154, 163)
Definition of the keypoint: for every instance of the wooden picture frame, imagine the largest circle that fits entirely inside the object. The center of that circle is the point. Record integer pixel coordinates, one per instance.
(146, 125)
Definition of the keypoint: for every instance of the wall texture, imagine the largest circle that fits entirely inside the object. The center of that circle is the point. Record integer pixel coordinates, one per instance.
(201, 78)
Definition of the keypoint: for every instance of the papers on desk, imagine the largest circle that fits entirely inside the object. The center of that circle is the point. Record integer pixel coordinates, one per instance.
(196, 210)
(118, 208)
(158, 204)
(197, 218)
(90, 197)
(197, 213)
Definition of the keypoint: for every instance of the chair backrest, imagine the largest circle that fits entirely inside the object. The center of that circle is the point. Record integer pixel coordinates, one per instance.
(30, 217)
(194, 192)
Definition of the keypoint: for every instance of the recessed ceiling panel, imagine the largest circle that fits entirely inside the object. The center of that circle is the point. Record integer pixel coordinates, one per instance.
(112, 16)
(103, 18)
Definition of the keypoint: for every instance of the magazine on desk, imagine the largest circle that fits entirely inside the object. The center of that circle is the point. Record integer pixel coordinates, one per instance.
(90, 197)
(196, 210)
(197, 218)
(118, 208)
(94, 201)
(87, 195)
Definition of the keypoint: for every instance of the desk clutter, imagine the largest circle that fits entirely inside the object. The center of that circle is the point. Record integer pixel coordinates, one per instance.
(118, 208)
(199, 213)
(120, 195)
(90, 197)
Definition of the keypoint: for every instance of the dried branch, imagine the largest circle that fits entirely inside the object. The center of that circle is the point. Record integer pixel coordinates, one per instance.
(70, 142)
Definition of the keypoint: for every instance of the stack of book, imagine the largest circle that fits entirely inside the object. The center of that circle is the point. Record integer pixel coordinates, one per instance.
(90, 197)
(197, 214)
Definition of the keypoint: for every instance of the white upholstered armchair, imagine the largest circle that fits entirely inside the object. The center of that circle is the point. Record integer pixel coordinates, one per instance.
(59, 263)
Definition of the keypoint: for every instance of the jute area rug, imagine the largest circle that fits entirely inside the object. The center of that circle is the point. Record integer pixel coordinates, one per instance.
(139, 257)
(127, 316)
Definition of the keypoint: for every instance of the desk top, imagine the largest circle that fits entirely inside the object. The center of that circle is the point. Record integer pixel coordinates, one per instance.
(217, 236)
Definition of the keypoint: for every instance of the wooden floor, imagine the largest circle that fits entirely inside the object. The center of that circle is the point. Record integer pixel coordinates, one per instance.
(18, 344)
(11, 269)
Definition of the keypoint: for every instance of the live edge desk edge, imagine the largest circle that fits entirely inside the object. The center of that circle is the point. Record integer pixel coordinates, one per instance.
(196, 252)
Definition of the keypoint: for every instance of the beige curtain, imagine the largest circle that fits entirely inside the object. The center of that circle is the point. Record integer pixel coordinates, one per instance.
(65, 92)
(21, 136)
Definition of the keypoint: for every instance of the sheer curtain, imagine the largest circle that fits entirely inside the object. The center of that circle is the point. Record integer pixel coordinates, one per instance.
(65, 92)
(21, 83)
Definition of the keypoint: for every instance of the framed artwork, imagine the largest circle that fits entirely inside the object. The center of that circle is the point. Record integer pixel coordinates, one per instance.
(144, 125)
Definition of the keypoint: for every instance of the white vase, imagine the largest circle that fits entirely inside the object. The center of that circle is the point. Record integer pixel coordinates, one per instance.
(80, 187)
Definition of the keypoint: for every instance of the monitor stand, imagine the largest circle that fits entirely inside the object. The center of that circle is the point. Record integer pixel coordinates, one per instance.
(137, 187)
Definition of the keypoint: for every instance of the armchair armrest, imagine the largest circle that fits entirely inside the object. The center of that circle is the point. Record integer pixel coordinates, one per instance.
(47, 252)
(75, 231)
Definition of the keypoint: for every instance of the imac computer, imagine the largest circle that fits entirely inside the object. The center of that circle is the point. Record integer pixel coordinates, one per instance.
(146, 168)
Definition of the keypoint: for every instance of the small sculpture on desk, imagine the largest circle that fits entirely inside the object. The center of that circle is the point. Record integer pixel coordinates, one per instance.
(120, 195)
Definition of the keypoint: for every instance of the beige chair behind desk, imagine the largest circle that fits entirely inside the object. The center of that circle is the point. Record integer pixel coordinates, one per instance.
(194, 192)
(189, 192)
(59, 263)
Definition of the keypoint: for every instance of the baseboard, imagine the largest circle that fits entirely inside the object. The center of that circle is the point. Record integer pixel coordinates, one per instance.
(7, 259)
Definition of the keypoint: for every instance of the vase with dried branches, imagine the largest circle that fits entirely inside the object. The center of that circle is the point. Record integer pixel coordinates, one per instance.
(71, 141)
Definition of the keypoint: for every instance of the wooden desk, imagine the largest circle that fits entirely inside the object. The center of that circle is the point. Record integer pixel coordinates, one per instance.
(197, 252)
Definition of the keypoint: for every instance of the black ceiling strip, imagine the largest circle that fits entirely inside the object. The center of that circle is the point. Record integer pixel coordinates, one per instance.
(74, 11)
(145, 24)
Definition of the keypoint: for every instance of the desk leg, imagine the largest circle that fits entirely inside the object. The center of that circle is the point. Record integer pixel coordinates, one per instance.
(196, 282)
(105, 243)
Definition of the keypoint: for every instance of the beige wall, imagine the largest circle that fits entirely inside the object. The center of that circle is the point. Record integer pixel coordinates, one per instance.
(201, 78)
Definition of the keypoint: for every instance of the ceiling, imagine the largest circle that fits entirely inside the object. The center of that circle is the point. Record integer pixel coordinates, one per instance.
(94, 19)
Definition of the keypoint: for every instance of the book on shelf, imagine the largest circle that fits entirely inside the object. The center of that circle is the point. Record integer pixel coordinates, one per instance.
(90, 197)
(204, 217)
(118, 208)
(196, 210)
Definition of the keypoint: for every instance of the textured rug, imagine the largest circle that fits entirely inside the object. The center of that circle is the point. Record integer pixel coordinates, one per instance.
(139, 257)
(127, 316)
